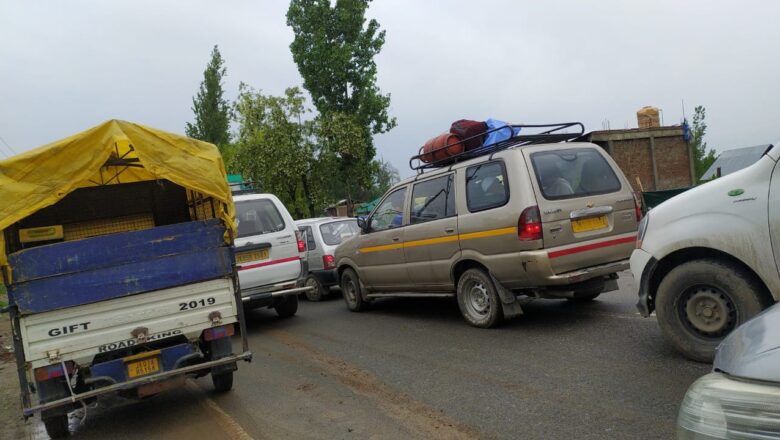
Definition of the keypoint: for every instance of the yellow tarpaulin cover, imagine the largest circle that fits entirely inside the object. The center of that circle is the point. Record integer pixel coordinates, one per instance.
(41, 177)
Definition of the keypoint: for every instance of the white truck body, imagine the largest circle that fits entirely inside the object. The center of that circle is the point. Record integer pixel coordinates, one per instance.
(80, 333)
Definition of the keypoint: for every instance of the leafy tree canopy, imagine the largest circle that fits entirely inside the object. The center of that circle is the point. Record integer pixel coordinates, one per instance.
(212, 110)
(702, 157)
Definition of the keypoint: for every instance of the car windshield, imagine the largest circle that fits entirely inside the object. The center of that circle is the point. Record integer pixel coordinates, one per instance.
(256, 217)
(567, 174)
(336, 232)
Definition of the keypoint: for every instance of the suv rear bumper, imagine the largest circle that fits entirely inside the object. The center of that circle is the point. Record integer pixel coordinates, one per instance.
(586, 273)
(326, 277)
(265, 295)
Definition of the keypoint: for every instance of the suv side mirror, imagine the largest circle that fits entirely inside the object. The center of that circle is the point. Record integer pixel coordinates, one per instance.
(362, 224)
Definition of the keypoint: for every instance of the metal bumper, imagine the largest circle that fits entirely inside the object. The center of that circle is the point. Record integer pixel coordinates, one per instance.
(246, 356)
(327, 277)
(588, 273)
(643, 266)
(253, 297)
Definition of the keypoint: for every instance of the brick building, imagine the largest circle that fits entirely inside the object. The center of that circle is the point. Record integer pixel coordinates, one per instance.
(659, 156)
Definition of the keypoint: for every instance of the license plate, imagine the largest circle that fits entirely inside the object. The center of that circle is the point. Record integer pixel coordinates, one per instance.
(143, 367)
(246, 257)
(589, 224)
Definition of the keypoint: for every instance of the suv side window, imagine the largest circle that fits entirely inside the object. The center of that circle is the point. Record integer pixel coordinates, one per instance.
(390, 213)
(486, 186)
(433, 199)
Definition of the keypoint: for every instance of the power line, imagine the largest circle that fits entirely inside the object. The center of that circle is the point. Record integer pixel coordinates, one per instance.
(8, 146)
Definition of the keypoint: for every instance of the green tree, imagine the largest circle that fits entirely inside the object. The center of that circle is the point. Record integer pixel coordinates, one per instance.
(334, 47)
(212, 110)
(385, 175)
(274, 148)
(702, 157)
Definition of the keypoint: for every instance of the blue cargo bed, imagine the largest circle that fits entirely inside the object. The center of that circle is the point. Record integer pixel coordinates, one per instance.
(85, 271)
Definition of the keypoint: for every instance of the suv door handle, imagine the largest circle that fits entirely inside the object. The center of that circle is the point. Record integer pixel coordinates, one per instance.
(396, 238)
(449, 230)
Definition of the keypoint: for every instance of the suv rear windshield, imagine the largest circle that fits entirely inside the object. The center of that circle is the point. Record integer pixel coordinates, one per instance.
(256, 217)
(334, 233)
(566, 174)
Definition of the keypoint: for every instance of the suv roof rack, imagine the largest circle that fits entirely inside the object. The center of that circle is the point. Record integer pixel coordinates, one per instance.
(551, 134)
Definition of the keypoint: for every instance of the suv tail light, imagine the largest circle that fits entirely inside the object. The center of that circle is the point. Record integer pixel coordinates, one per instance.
(52, 371)
(638, 206)
(529, 226)
(301, 244)
(329, 261)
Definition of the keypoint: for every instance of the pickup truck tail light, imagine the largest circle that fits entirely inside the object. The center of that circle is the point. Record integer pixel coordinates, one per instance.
(220, 332)
(301, 244)
(529, 226)
(329, 261)
(52, 372)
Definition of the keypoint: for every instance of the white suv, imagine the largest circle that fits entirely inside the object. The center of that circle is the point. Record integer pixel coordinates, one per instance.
(707, 260)
(269, 251)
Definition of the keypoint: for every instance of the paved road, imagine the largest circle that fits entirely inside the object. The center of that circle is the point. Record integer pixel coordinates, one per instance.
(413, 369)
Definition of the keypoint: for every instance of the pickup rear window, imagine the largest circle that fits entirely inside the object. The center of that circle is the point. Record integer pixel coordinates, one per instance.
(257, 217)
(568, 174)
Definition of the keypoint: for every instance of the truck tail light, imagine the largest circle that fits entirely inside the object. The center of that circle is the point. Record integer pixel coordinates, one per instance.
(329, 261)
(220, 332)
(301, 244)
(52, 372)
(529, 226)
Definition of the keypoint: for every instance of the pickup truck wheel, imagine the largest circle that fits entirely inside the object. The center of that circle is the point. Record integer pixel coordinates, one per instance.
(222, 382)
(700, 302)
(478, 299)
(350, 288)
(57, 426)
(287, 306)
(318, 292)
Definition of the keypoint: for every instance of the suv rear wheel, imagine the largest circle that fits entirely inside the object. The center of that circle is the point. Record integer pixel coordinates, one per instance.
(478, 299)
(287, 306)
(700, 302)
(350, 288)
(56, 426)
(317, 291)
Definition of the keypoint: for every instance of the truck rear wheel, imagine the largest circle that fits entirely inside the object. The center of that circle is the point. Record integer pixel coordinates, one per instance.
(223, 382)
(287, 306)
(700, 302)
(56, 426)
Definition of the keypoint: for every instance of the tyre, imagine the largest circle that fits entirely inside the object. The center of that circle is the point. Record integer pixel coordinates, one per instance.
(699, 302)
(478, 299)
(350, 288)
(222, 382)
(56, 426)
(287, 306)
(318, 292)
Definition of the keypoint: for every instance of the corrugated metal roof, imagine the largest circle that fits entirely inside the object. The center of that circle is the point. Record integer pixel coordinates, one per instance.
(735, 159)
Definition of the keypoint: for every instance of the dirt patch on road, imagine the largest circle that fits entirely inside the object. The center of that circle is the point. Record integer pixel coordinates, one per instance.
(13, 424)
(416, 416)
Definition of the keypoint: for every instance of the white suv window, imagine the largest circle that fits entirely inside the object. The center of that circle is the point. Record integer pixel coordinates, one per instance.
(257, 217)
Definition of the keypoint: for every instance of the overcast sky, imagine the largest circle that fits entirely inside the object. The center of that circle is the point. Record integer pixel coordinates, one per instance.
(68, 65)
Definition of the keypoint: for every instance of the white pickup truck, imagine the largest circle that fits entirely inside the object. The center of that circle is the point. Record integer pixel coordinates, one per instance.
(123, 283)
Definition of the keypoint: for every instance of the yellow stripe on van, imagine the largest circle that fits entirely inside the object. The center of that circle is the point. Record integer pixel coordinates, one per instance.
(443, 239)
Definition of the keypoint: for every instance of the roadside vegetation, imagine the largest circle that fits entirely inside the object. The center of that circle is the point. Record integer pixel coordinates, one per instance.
(309, 157)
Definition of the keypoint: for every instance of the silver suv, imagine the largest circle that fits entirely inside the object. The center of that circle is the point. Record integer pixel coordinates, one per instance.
(323, 236)
(554, 220)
